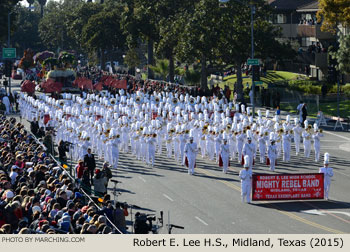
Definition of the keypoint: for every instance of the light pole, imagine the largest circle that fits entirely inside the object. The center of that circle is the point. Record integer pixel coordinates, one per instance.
(9, 42)
(252, 13)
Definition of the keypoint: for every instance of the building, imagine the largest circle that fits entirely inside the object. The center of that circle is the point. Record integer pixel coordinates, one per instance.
(297, 19)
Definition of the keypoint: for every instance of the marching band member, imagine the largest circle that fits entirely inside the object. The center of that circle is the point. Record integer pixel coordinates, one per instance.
(297, 131)
(249, 149)
(307, 139)
(191, 152)
(286, 140)
(246, 179)
(151, 145)
(328, 174)
(224, 154)
(262, 139)
(317, 146)
(272, 152)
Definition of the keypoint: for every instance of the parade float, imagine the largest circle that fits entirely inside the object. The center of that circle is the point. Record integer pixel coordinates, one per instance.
(26, 68)
(57, 73)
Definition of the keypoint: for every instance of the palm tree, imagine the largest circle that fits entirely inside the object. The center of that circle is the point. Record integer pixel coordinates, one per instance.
(161, 68)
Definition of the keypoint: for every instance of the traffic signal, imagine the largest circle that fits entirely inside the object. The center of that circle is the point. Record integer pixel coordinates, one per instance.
(332, 74)
(256, 75)
(8, 68)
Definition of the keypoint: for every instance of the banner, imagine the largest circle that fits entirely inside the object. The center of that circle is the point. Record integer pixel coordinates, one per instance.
(288, 186)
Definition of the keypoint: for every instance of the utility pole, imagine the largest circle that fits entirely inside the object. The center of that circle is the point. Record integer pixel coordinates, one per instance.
(9, 42)
(252, 12)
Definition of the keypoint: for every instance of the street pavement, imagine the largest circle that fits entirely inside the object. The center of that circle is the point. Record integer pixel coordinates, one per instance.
(210, 202)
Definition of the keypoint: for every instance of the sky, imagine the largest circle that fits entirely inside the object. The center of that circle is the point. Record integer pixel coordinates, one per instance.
(25, 3)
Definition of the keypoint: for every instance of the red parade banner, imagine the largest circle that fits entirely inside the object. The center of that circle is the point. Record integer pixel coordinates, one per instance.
(288, 186)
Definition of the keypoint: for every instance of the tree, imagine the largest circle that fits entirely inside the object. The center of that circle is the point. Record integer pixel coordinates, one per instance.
(53, 28)
(342, 55)
(27, 33)
(333, 13)
(235, 36)
(6, 6)
(78, 17)
(139, 23)
(170, 23)
(132, 58)
(103, 32)
(199, 37)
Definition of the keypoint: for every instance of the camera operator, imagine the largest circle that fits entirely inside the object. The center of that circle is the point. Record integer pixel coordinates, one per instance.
(62, 149)
(141, 226)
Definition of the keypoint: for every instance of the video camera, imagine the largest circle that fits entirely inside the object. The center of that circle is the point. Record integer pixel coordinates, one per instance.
(143, 223)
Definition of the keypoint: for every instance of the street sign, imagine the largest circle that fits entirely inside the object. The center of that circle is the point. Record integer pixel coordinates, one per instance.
(253, 62)
(258, 82)
(8, 53)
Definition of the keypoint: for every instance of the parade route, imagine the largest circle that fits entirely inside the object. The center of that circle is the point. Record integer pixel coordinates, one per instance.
(210, 201)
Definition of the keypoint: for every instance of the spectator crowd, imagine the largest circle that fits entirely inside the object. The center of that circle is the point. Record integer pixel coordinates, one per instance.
(38, 196)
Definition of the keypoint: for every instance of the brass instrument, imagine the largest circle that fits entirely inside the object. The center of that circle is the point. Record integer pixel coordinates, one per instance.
(309, 127)
(88, 139)
(175, 101)
(61, 103)
(248, 127)
(192, 101)
(257, 132)
(187, 131)
(281, 131)
(138, 99)
(229, 126)
(291, 132)
(118, 136)
(266, 133)
(221, 131)
(205, 126)
(141, 128)
(88, 102)
(154, 135)
(244, 131)
(236, 133)
(113, 101)
(172, 131)
(321, 130)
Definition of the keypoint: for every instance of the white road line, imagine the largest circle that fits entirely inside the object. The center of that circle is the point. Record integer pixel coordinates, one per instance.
(331, 133)
(201, 220)
(142, 179)
(166, 196)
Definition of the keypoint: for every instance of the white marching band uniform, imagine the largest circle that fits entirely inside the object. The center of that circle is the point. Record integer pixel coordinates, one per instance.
(328, 174)
(110, 124)
(246, 180)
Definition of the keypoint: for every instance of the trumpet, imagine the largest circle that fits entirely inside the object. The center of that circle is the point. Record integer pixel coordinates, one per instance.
(281, 131)
(309, 127)
(192, 101)
(236, 133)
(61, 103)
(138, 99)
(172, 131)
(174, 101)
(187, 131)
(88, 102)
(229, 126)
(118, 136)
(257, 132)
(321, 130)
(141, 128)
(291, 132)
(154, 135)
(248, 127)
(113, 101)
